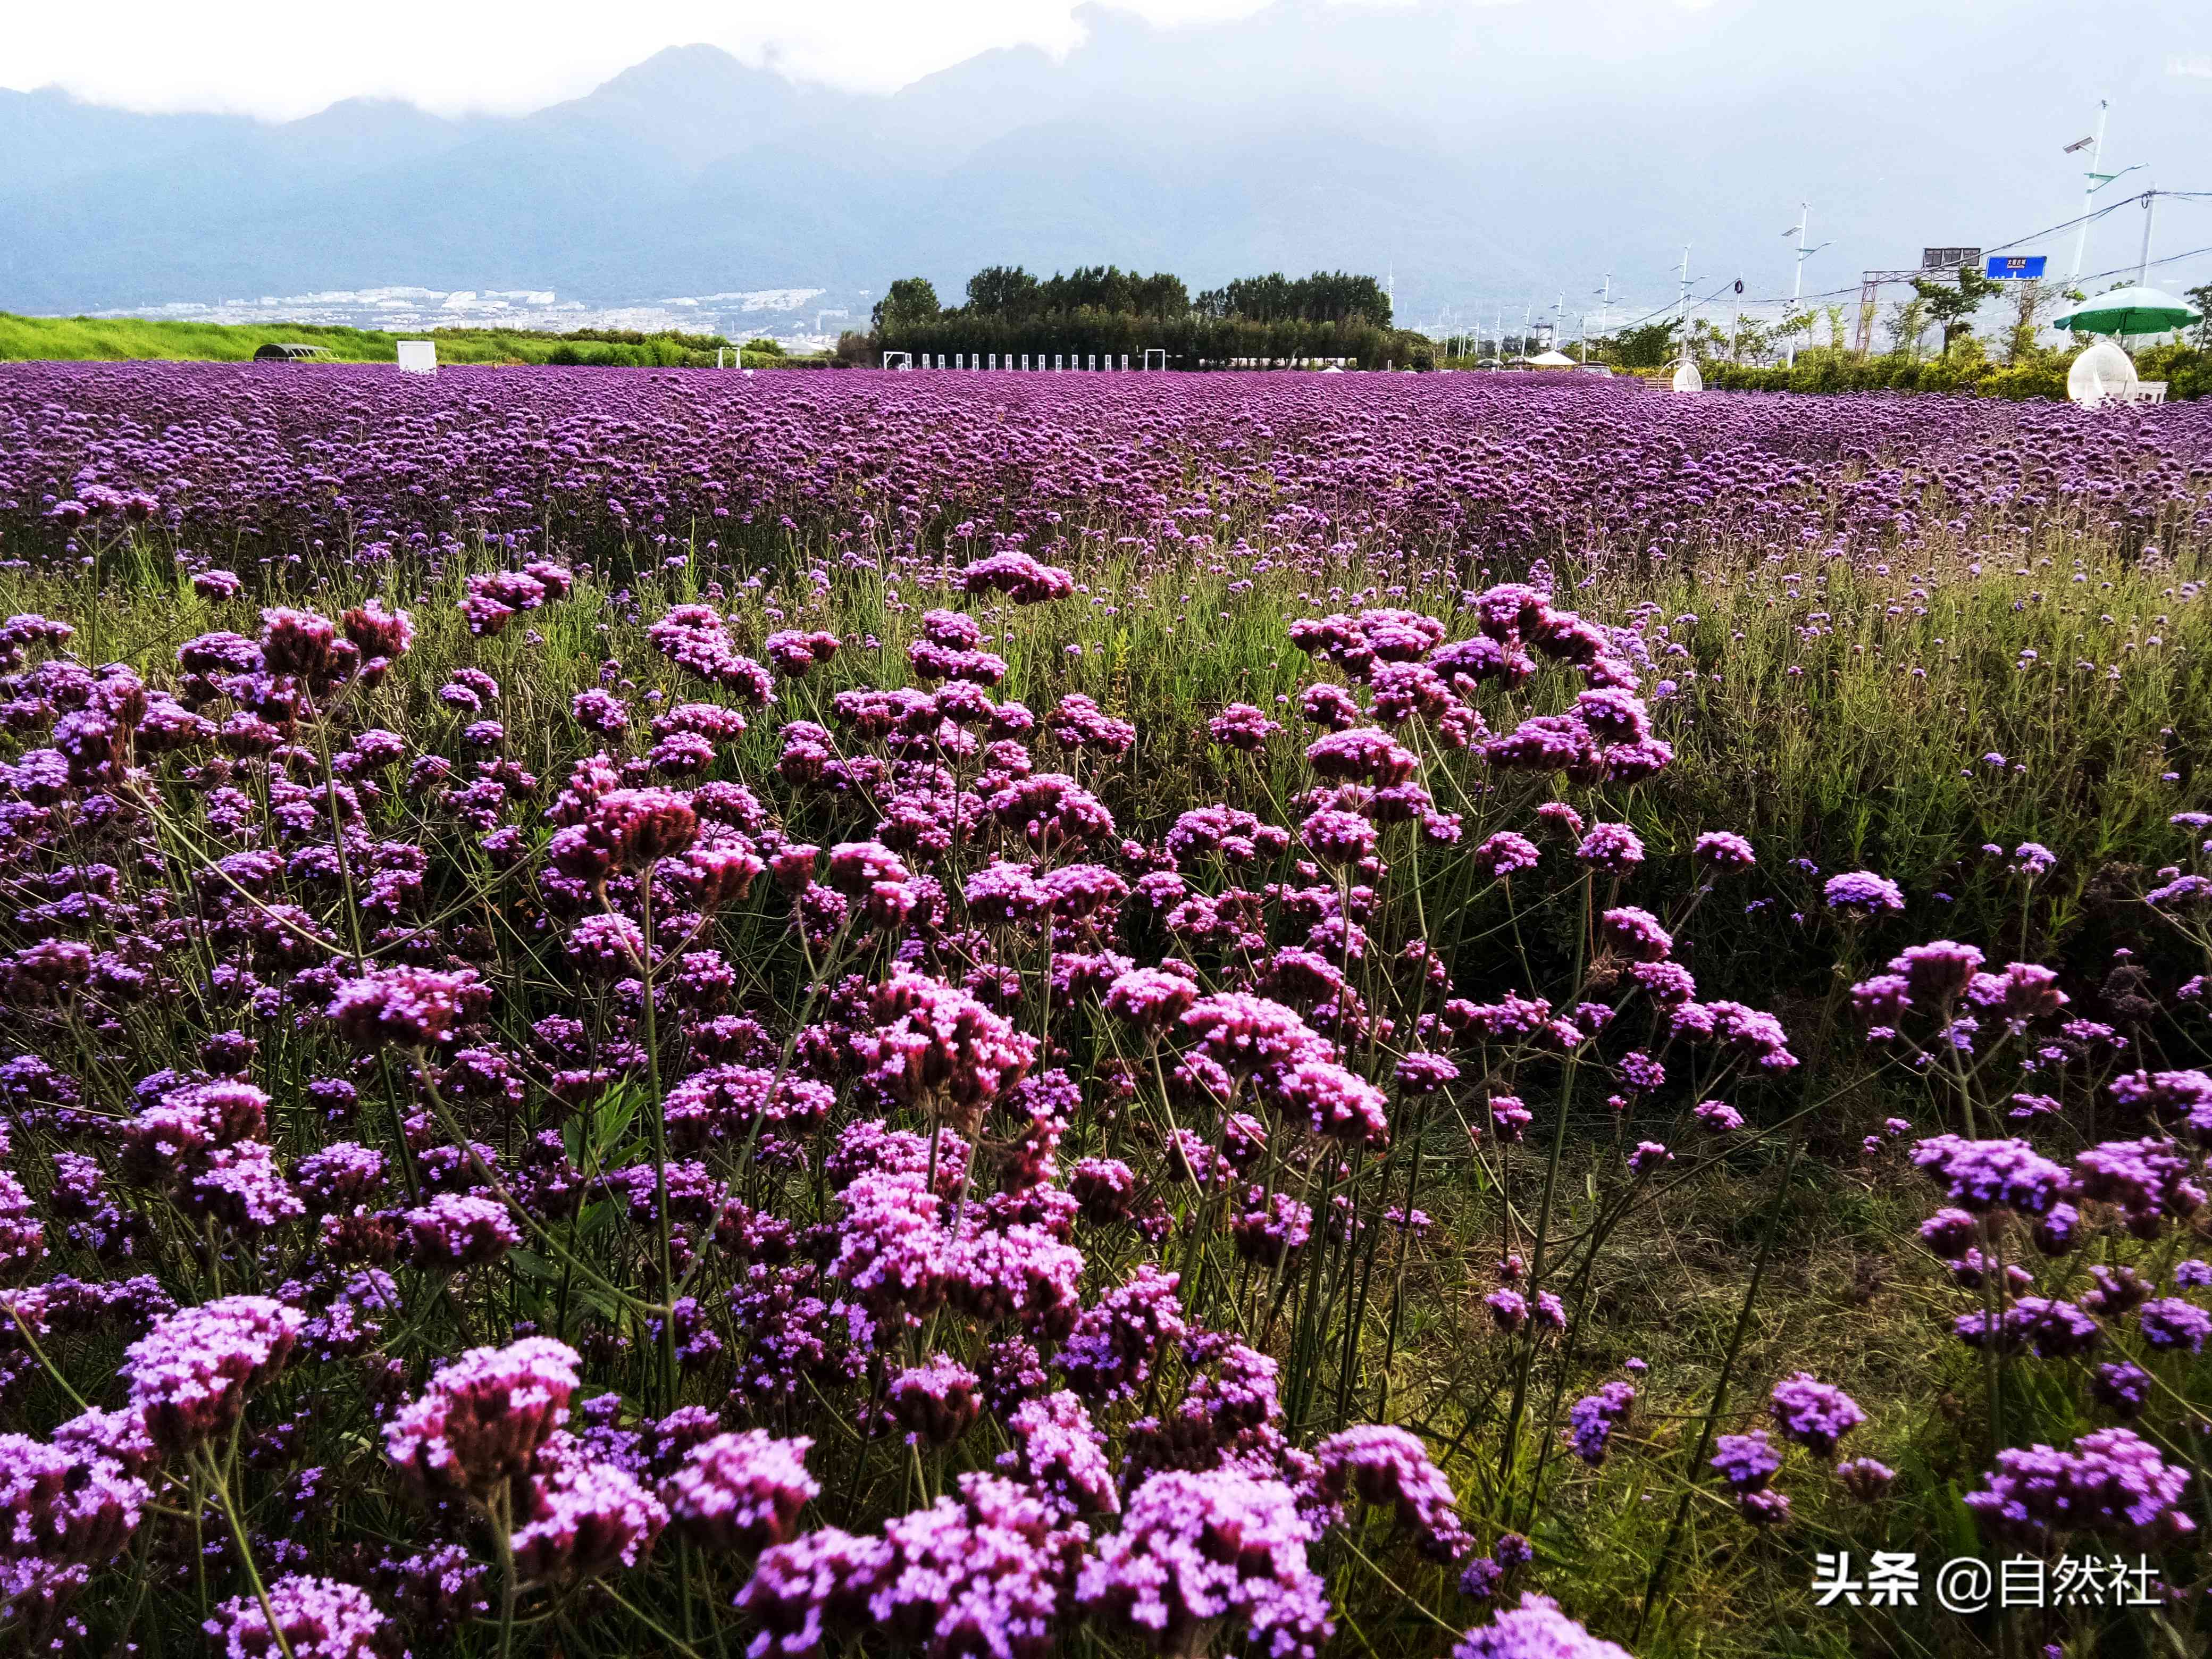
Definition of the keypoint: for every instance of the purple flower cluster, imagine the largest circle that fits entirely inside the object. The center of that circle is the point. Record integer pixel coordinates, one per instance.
(480, 1423)
(1194, 1549)
(1015, 1092)
(740, 1491)
(1813, 1414)
(314, 1619)
(1534, 1630)
(189, 1374)
(2113, 1486)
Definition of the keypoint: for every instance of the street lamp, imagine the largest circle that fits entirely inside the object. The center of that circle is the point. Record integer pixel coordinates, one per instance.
(1797, 287)
(2093, 181)
(1683, 326)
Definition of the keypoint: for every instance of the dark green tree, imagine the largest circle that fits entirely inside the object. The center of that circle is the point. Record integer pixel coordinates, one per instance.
(1108, 288)
(2200, 336)
(1649, 346)
(1326, 296)
(1160, 295)
(1002, 291)
(909, 300)
(1952, 304)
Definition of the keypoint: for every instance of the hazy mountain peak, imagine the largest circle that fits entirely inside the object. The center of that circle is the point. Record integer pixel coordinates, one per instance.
(1493, 156)
(698, 103)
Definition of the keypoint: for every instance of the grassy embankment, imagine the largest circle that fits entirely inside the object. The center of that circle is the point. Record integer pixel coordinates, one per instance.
(121, 339)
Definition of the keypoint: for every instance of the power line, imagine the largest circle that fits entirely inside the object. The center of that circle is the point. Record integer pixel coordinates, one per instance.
(2167, 260)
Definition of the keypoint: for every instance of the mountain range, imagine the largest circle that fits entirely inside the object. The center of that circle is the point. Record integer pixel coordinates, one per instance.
(1483, 157)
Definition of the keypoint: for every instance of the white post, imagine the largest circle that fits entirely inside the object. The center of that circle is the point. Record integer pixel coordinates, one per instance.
(2150, 211)
(2088, 190)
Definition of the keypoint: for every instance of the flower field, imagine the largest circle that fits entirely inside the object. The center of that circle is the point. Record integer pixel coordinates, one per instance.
(990, 1016)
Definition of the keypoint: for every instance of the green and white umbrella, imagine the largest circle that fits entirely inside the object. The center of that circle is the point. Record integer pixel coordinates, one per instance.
(2128, 311)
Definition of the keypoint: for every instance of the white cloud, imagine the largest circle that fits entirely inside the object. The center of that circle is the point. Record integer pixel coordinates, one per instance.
(2194, 69)
(278, 59)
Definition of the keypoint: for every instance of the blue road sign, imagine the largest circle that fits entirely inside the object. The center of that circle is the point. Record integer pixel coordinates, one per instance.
(2023, 267)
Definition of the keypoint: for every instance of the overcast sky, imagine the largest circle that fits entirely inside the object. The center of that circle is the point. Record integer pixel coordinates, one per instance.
(1560, 139)
(280, 58)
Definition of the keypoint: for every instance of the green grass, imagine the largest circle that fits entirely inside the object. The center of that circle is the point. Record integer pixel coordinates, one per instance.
(123, 339)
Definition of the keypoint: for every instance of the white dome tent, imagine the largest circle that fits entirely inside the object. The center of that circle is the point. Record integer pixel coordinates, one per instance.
(2102, 373)
(1687, 378)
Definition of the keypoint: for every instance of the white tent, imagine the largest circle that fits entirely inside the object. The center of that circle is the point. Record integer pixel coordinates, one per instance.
(1551, 360)
(2103, 374)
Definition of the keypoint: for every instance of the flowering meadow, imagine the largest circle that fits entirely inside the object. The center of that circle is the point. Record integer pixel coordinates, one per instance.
(648, 1012)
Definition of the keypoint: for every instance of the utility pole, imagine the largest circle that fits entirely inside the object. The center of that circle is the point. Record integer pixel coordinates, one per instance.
(1684, 324)
(2092, 180)
(1559, 317)
(2150, 212)
(1797, 286)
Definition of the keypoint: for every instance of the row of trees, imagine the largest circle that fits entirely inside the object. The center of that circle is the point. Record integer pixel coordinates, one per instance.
(1010, 294)
(1326, 296)
(1190, 340)
(1106, 311)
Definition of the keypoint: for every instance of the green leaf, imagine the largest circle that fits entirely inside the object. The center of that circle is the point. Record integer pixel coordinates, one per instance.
(1956, 1522)
(605, 1121)
(596, 1300)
